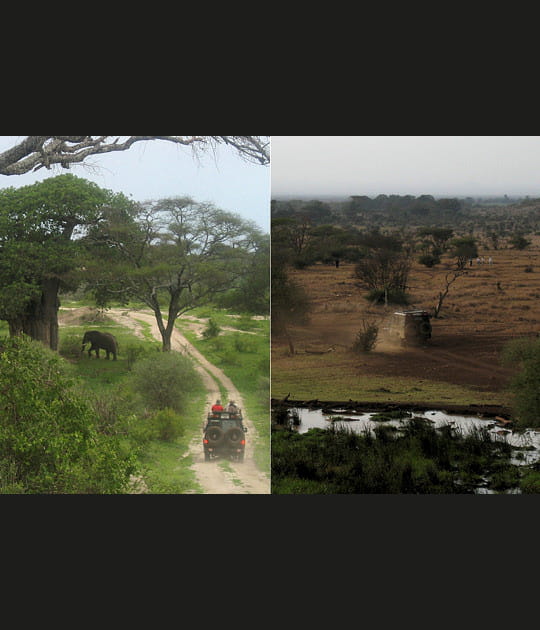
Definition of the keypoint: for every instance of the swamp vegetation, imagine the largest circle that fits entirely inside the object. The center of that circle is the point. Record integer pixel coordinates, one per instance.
(416, 458)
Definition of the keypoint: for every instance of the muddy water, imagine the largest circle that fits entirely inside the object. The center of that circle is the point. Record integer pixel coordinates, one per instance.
(359, 423)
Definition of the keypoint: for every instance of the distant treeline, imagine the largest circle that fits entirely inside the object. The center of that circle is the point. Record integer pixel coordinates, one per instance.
(404, 209)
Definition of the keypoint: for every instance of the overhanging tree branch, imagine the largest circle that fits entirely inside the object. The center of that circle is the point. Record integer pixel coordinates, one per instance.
(36, 152)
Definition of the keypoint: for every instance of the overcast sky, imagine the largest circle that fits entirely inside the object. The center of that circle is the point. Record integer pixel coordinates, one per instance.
(157, 169)
(406, 165)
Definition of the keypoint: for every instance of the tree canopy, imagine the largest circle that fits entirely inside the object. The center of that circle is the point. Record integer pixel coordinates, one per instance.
(39, 251)
(173, 254)
(49, 439)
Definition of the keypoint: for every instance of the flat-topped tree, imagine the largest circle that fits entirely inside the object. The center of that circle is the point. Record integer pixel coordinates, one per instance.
(173, 255)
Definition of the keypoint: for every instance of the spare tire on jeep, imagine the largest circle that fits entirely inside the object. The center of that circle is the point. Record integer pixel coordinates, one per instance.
(234, 435)
(214, 435)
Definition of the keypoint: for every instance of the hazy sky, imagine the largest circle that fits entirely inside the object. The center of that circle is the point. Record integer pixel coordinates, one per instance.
(414, 165)
(157, 169)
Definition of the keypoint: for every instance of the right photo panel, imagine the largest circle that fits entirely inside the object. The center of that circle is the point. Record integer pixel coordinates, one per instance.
(405, 315)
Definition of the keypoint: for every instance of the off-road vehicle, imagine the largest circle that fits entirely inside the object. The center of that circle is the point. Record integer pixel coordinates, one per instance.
(224, 436)
(411, 327)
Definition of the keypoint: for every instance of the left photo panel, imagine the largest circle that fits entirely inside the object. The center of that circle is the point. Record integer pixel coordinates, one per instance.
(135, 314)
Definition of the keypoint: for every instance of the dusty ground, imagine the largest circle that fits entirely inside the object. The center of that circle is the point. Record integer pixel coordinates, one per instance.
(236, 477)
(477, 318)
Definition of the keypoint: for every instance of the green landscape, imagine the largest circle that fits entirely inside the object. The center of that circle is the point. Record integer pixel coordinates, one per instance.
(77, 258)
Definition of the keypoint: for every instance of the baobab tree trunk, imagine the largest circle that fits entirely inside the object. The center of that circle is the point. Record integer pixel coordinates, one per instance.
(40, 319)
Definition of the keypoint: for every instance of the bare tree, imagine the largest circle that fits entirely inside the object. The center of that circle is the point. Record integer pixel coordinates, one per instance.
(464, 249)
(449, 279)
(35, 152)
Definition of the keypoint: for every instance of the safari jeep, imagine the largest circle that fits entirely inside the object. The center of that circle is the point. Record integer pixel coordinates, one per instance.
(224, 436)
(411, 327)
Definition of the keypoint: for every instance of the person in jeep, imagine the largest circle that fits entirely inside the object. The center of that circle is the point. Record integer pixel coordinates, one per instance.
(232, 408)
(217, 406)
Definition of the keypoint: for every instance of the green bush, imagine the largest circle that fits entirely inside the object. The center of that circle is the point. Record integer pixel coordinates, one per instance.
(244, 343)
(429, 260)
(136, 351)
(366, 338)
(70, 346)
(212, 329)
(49, 438)
(164, 380)
(167, 424)
(524, 353)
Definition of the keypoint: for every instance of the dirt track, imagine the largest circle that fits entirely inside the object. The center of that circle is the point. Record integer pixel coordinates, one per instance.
(236, 477)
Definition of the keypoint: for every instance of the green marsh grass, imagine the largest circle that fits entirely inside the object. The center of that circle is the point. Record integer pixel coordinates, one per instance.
(416, 459)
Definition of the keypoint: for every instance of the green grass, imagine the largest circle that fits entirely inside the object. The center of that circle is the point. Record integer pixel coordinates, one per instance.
(165, 466)
(317, 380)
(168, 465)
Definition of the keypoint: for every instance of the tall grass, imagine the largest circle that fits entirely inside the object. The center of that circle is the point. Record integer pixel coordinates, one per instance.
(417, 459)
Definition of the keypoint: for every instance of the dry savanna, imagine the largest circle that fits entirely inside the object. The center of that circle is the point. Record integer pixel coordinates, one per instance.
(491, 304)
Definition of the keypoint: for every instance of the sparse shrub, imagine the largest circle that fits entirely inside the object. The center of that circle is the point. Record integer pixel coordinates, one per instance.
(366, 338)
(242, 343)
(392, 296)
(212, 329)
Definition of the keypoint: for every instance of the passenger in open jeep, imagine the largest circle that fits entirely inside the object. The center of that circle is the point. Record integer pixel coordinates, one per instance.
(232, 408)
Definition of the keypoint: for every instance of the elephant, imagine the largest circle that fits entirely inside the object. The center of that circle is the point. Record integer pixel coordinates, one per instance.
(98, 340)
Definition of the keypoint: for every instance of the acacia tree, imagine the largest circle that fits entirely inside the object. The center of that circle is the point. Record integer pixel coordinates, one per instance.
(384, 267)
(36, 152)
(173, 255)
(463, 250)
(38, 251)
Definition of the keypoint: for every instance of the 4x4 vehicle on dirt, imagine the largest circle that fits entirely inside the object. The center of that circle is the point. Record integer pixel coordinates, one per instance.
(224, 436)
(411, 327)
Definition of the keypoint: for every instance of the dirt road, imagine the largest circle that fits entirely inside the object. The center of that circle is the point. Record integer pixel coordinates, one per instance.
(215, 477)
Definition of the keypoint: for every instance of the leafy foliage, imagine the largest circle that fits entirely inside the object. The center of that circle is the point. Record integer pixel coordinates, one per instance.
(49, 441)
(164, 380)
(173, 254)
(525, 354)
(417, 459)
